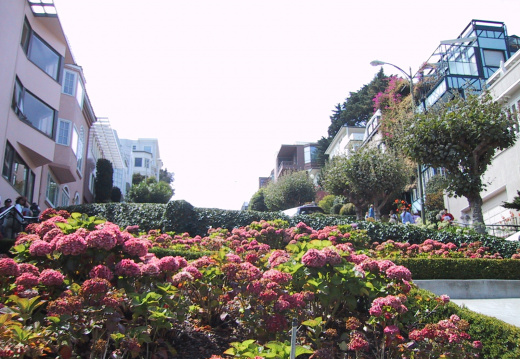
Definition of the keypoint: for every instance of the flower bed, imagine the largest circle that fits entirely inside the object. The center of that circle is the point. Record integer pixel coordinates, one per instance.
(79, 286)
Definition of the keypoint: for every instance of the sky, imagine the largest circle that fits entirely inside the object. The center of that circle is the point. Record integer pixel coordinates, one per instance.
(223, 84)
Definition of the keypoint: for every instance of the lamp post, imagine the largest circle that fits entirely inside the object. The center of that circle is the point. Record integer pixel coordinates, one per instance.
(419, 171)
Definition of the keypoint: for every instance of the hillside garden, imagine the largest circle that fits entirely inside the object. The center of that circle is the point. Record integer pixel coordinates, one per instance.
(78, 286)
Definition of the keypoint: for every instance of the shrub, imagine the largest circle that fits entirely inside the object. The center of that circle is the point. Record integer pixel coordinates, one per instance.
(327, 203)
(348, 210)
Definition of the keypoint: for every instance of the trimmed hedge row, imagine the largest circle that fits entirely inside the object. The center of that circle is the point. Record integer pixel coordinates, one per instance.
(380, 232)
(499, 339)
(180, 217)
(461, 268)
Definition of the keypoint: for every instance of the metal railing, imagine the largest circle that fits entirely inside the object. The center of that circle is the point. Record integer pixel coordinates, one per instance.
(13, 222)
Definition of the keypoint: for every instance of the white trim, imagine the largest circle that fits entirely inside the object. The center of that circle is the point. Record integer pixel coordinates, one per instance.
(74, 84)
(60, 120)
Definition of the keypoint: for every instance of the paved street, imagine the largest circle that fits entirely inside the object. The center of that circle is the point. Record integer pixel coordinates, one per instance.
(506, 309)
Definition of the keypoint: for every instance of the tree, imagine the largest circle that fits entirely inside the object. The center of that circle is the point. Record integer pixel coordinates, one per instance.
(150, 191)
(116, 195)
(257, 202)
(367, 177)
(515, 204)
(104, 181)
(461, 135)
(165, 176)
(291, 190)
(137, 178)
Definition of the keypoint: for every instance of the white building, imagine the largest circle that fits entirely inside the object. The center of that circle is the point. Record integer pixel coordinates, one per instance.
(347, 140)
(143, 155)
(503, 175)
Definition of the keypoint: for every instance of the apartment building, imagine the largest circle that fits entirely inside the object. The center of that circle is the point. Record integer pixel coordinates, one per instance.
(503, 175)
(296, 157)
(143, 155)
(45, 113)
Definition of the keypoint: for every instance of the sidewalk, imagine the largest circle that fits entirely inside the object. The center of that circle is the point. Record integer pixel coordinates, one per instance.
(505, 309)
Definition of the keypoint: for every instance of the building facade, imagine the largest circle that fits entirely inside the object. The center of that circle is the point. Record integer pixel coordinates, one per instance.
(143, 155)
(46, 115)
(503, 175)
(347, 141)
(299, 157)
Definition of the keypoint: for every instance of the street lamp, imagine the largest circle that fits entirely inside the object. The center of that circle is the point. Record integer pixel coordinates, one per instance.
(419, 172)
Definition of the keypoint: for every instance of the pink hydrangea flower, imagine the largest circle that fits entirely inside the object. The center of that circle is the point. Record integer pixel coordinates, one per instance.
(277, 257)
(399, 272)
(8, 267)
(51, 277)
(168, 264)
(182, 277)
(135, 247)
(27, 280)
(277, 276)
(40, 248)
(332, 257)
(101, 271)
(29, 268)
(385, 264)
(95, 286)
(150, 269)
(53, 233)
(193, 271)
(391, 330)
(357, 342)
(127, 267)
(314, 258)
(101, 239)
(71, 244)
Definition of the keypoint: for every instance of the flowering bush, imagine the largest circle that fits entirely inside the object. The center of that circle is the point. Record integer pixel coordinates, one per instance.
(81, 286)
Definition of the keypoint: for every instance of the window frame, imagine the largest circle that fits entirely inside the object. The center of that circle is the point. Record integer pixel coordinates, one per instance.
(48, 189)
(8, 171)
(18, 105)
(65, 194)
(69, 132)
(74, 82)
(141, 162)
(27, 43)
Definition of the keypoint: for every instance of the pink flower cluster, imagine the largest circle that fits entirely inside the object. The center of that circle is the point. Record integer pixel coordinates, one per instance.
(101, 239)
(136, 247)
(101, 271)
(51, 277)
(389, 306)
(318, 258)
(357, 342)
(72, 244)
(8, 267)
(127, 268)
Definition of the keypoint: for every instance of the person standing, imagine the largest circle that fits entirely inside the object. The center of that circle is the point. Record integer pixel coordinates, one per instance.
(406, 216)
(392, 217)
(371, 213)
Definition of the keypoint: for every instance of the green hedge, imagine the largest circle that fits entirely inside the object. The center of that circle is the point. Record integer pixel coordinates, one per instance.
(499, 339)
(163, 252)
(461, 268)
(180, 217)
(380, 232)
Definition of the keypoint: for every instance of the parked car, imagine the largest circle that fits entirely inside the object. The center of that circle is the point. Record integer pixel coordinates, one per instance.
(306, 209)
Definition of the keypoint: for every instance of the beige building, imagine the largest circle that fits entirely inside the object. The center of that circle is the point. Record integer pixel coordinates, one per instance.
(45, 113)
(503, 176)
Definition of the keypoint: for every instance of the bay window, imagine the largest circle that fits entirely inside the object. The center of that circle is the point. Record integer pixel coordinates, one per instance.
(17, 173)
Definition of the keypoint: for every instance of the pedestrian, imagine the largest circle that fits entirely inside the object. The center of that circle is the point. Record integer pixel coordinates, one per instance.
(371, 212)
(406, 217)
(392, 217)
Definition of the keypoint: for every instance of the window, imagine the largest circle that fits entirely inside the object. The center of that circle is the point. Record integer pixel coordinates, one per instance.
(40, 53)
(148, 148)
(79, 94)
(493, 57)
(52, 190)
(134, 147)
(310, 153)
(17, 173)
(32, 110)
(63, 132)
(69, 83)
(65, 196)
(80, 147)
(76, 199)
(147, 163)
(138, 162)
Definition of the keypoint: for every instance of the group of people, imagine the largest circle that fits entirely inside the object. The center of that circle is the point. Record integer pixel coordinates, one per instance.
(11, 223)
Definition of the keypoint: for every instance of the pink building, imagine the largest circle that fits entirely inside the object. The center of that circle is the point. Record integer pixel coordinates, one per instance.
(45, 113)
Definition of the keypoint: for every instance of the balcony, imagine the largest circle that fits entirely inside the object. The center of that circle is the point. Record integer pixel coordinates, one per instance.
(284, 166)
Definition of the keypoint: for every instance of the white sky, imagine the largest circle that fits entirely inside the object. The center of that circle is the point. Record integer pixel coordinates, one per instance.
(222, 84)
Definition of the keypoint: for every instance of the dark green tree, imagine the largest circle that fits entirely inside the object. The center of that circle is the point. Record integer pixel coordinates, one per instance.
(165, 176)
(461, 135)
(367, 177)
(257, 202)
(104, 181)
(116, 194)
(515, 204)
(137, 178)
(291, 190)
(150, 191)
